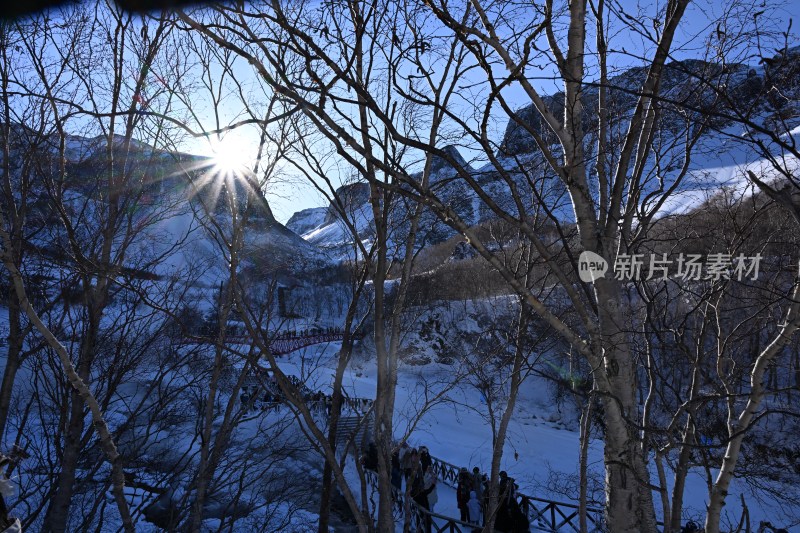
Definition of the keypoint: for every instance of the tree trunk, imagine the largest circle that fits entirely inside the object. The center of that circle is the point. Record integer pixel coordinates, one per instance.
(333, 426)
(205, 465)
(384, 437)
(15, 340)
(586, 424)
(738, 428)
(497, 449)
(57, 516)
(327, 487)
(629, 500)
(663, 490)
(629, 505)
(682, 467)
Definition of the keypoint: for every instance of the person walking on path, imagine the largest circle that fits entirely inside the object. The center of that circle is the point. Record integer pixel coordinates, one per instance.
(407, 461)
(503, 519)
(397, 476)
(485, 499)
(462, 493)
(420, 494)
(430, 487)
(425, 458)
(477, 482)
(474, 509)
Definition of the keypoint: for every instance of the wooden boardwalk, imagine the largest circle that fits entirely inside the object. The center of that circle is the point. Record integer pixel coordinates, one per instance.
(278, 345)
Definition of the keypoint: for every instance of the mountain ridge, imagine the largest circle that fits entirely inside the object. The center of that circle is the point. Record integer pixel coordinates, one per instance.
(681, 86)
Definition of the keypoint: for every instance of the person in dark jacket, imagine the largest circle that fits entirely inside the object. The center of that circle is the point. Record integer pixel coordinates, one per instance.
(425, 458)
(485, 499)
(504, 519)
(519, 522)
(407, 461)
(397, 475)
(371, 457)
(462, 493)
(420, 494)
(477, 483)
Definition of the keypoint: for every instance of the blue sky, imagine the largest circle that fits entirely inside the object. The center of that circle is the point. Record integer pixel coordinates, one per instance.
(287, 197)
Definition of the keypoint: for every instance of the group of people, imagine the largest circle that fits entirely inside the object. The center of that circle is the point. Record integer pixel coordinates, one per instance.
(291, 333)
(415, 466)
(472, 495)
(269, 400)
(267, 395)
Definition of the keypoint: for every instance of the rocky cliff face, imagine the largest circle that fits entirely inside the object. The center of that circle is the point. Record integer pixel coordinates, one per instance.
(307, 220)
(689, 91)
(691, 84)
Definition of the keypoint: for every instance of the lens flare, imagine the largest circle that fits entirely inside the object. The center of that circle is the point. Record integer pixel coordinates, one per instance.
(228, 155)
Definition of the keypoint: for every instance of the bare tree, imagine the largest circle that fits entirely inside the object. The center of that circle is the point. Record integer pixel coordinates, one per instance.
(609, 165)
(385, 86)
(98, 225)
(290, 74)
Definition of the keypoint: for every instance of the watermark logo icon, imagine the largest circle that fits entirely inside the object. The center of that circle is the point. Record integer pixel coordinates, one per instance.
(591, 266)
(687, 267)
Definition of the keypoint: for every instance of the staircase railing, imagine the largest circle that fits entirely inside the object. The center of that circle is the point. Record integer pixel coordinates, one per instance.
(423, 520)
(279, 345)
(544, 514)
(548, 515)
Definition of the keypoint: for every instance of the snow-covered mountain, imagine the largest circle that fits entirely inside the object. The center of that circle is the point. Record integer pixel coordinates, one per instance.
(306, 220)
(324, 227)
(171, 198)
(719, 158)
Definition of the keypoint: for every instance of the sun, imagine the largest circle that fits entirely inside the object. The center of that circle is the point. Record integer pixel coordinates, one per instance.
(224, 170)
(228, 155)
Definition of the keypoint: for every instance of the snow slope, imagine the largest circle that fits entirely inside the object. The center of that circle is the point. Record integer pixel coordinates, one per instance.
(721, 158)
(542, 445)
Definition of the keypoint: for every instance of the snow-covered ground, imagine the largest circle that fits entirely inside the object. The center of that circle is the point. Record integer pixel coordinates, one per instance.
(542, 443)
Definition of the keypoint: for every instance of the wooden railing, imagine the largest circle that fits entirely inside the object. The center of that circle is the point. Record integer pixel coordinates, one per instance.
(445, 472)
(559, 516)
(359, 405)
(547, 515)
(439, 523)
(422, 518)
(279, 345)
(543, 514)
(283, 345)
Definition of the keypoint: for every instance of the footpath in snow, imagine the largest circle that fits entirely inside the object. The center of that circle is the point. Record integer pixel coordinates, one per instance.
(541, 450)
